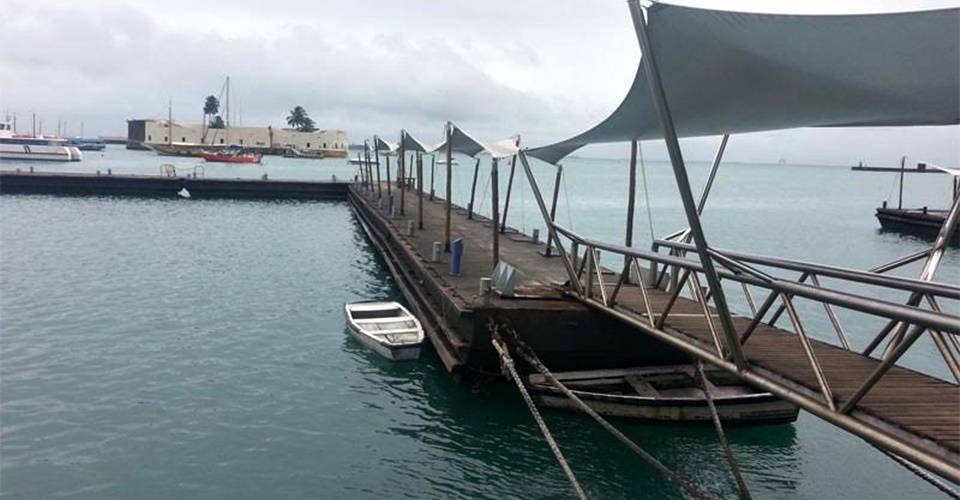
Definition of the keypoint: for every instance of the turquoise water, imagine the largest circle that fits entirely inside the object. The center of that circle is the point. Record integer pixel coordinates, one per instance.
(154, 348)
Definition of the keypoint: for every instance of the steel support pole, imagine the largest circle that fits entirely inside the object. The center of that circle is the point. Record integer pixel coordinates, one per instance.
(376, 152)
(930, 266)
(553, 205)
(495, 210)
(506, 202)
(363, 173)
(420, 189)
(551, 231)
(402, 171)
(446, 239)
(683, 184)
(433, 171)
(631, 202)
(388, 174)
(473, 189)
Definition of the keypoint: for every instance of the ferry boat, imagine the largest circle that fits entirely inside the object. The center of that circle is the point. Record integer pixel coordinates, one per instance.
(28, 147)
(386, 327)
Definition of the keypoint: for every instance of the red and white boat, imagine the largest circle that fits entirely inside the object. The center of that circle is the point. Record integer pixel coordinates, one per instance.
(231, 154)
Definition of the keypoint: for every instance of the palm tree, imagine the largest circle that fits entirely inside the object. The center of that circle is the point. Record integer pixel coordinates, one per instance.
(211, 106)
(217, 122)
(308, 125)
(299, 120)
(297, 116)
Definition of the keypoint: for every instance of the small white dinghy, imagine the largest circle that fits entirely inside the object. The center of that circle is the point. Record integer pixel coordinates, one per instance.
(386, 327)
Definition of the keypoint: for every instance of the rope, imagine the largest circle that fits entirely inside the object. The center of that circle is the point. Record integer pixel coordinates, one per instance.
(721, 436)
(508, 364)
(483, 195)
(646, 192)
(922, 474)
(530, 357)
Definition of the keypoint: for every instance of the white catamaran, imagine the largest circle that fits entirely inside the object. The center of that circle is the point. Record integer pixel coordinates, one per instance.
(29, 147)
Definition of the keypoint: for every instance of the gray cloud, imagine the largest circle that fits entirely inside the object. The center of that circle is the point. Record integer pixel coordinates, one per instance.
(546, 69)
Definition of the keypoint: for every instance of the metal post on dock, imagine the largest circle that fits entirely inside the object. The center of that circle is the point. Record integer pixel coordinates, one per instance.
(433, 170)
(506, 202)
(631, 204)
(659, 98)
(551, 232)
(473, 189)
(376, 152)
(420, 190)
(402, 170)
(495, 210)
(553, 206)
(369, 167)
(388, 174)
(363, 175)
(446, 239)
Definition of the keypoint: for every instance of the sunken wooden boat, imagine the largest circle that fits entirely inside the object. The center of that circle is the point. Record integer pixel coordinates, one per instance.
(386, 327)
(665, 394)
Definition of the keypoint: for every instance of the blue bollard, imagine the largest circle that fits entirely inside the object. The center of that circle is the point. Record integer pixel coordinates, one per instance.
(456, 250)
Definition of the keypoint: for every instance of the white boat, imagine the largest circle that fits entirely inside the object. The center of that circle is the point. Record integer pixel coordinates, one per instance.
(23, 147)
(386, 327)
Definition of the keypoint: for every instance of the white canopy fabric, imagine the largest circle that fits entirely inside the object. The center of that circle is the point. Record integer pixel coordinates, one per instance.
(952, 171)
(734, 72)
(383, 145)
(464, 143)
(410, 143)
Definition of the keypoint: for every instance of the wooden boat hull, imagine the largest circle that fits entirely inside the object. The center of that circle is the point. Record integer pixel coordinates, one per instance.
(916, 222)
(393, 353)
(220, 158)
(387, 328)
(763, 410)
(736, 403)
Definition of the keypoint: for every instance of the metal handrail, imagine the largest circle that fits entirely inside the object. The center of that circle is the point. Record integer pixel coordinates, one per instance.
(864, 277)
(869, 305)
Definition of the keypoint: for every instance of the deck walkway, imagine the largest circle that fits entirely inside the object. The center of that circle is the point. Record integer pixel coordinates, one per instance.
(912, 407)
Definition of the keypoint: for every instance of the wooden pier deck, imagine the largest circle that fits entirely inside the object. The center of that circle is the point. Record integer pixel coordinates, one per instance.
(910, 406)
(566, 333)
(923, 407)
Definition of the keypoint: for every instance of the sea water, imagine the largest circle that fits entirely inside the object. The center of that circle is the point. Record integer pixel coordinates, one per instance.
(172, 348)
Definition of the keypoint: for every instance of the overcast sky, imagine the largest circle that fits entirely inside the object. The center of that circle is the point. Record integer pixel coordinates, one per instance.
(546, 69)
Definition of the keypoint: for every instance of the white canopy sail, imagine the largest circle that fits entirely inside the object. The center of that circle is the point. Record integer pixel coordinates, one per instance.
(410, 143)
(734, 72)
(464, 143)
(383, 145)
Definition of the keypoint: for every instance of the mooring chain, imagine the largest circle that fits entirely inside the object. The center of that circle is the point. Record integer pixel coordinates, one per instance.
(530, 357)
(507, 362)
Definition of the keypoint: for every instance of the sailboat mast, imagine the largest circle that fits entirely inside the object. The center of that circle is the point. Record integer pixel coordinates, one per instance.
(226, 131)
(170, 121)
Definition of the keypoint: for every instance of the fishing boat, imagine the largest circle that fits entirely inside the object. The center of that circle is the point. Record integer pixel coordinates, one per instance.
(664, 393)
(293, 152)
(232, 154)
(386, 327)
(30, 147)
